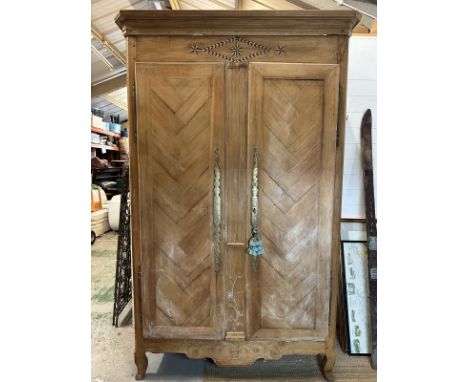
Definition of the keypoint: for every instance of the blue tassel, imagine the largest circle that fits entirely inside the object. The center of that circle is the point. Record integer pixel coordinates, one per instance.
(256, 246)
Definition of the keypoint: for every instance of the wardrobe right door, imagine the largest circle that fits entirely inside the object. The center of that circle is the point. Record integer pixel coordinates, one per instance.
(292, 126)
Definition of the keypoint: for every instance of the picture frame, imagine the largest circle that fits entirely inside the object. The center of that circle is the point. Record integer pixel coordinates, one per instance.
(356, 296)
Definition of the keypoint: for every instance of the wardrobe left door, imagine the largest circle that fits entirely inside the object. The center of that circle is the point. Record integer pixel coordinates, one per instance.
(180, 135)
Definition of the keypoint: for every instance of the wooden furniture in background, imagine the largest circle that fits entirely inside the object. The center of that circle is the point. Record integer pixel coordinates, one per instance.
(226, 110)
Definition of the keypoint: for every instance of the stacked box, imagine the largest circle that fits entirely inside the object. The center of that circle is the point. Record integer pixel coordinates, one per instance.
(97, 122)
(100, 221)
(115, 127)
(95, 138)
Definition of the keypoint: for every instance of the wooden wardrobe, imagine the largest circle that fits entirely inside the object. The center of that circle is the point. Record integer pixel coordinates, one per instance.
(236, 132)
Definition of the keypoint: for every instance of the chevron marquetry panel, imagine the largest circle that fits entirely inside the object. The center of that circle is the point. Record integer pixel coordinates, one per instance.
(289, 196)
(179, 161)
(181, 193)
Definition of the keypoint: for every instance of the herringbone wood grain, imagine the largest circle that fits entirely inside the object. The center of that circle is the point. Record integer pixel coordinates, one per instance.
(292, 123)
(292, 117)
(177, 125)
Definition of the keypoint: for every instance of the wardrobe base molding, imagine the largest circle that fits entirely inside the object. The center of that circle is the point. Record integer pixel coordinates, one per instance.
(237, 353)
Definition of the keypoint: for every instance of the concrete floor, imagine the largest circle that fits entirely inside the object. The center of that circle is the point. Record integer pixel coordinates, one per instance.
(112, 348)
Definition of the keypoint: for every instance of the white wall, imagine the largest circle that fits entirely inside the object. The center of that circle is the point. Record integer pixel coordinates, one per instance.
(353, 232)
(362, 95)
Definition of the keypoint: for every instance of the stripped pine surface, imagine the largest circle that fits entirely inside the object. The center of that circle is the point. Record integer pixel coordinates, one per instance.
(289, 196)
(299, 170)
(293, 126)
(176, 128)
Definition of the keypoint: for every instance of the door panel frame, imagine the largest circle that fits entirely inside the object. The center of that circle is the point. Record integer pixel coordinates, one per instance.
(144, 71)
(330, 75)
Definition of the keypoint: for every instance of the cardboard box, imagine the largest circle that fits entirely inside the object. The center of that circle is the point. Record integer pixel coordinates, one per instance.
(97, 122)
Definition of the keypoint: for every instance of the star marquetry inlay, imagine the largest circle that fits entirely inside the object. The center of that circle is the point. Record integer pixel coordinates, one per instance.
(280, 50)
(236, 49)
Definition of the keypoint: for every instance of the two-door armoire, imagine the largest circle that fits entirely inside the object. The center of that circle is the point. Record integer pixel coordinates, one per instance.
(236, 142)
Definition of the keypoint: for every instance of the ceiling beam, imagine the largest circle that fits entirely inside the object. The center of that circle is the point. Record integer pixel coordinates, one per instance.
(175, 5)
(341, 2)
(263, 4)
(220, 4)
(301, 4)
(110, 85)
(362, 30)
(109, 46)
(279, 4)
(373, 28)
(115, 101)
(101, 57)
(274, 4)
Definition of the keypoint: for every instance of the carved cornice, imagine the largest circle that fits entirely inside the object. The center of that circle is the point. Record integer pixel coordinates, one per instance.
(224, 23)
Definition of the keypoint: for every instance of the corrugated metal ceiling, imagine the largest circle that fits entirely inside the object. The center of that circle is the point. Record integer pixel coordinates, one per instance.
(109, 108)
(103, 13)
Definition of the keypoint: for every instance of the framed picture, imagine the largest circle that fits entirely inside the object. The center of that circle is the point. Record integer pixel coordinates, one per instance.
(356, 296)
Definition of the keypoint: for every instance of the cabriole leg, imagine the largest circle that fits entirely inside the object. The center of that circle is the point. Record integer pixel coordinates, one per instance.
(326, 365)
(142, 363)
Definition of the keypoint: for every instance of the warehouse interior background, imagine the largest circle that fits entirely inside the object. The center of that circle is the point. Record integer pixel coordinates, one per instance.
(420, 187)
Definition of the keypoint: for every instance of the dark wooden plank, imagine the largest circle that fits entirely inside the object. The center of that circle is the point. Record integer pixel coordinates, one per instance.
(371, 224)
